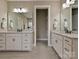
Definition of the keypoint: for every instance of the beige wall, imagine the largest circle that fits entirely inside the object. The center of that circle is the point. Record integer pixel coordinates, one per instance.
(54, 8)
(54, 11)
(28, 5)
(3, 12)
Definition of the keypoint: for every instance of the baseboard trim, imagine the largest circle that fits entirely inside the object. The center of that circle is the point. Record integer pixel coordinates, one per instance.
(42, 39)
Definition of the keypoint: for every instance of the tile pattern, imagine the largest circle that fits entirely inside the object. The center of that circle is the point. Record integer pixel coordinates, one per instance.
(41, 51)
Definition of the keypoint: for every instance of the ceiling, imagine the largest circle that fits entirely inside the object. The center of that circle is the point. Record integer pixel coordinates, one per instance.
(33, 0)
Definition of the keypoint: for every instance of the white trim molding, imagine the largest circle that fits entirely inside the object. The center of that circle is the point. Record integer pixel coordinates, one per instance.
(42, 7)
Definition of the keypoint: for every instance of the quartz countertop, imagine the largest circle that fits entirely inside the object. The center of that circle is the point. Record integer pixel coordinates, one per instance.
(16, 32)
(72, 35)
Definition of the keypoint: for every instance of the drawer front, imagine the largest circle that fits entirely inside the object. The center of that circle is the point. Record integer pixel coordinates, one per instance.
(66, 56)
(68, 49)
(27, 47)
(2, 35)
(59, 45)
(27, 35)
(27, 41)
(2, 46)
(68, 41)
(2, 40)
(13, 35)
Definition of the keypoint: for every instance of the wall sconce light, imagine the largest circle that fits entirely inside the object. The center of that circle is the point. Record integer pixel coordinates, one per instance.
(20, 10)
(68, 3)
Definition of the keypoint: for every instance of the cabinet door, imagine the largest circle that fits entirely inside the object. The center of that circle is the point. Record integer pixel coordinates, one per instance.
(2, 46)
(52, 39)
(58, 44)
(55, 42)
(2, 41)
(13, 43)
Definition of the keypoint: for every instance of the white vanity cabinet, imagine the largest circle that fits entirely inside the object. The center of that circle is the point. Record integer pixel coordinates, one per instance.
(16, 41)
(70, 50)
(27, 41)
(57, 43)
(2, 41)
(66, 45)
(13, 42)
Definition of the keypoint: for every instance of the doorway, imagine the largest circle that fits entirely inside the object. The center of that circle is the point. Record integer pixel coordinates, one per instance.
(42, 23)
(75, 19)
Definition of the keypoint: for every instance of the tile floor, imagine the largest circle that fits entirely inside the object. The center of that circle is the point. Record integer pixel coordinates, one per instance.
(41, 51)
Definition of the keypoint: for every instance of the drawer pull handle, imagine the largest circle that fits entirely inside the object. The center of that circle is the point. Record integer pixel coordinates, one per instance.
(66, 40)
(26, 40)
(25, 46)
(66, 50)
(13, 40)
(1, 40)
(1, 46)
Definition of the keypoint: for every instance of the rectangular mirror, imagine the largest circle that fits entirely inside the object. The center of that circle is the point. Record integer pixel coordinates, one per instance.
(70, 14)
(20, 16)
(19, 21)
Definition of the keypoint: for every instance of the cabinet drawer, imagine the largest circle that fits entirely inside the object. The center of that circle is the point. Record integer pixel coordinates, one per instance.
(27, 47)
(13, 35)
(2, 46)
(2, 40)
(66, 56)
(27, 35)
(68, 49)
(27, 40)
(68, 41)
(2, 35)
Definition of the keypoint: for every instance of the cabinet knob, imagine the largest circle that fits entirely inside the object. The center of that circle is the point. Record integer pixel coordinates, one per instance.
(66, 49)
(13, 39)
(66, 40)
(56, 41)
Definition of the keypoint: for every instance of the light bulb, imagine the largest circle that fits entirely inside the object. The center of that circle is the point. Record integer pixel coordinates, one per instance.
(15, 10)
(20, 10)
(65, 5)
(70, 1)
(24, 10)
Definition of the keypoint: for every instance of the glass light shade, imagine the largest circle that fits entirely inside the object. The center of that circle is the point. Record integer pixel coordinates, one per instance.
(24, 10)
(67, 1)
(65, 5)
(20, 10)
(70, 1)
(15, 10)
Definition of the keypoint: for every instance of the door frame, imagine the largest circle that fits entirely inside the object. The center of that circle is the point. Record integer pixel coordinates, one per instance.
(42, 7)
(74, 6)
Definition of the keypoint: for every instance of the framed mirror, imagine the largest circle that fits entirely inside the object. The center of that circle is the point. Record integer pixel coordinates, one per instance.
(67, 13)
(19, 21)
